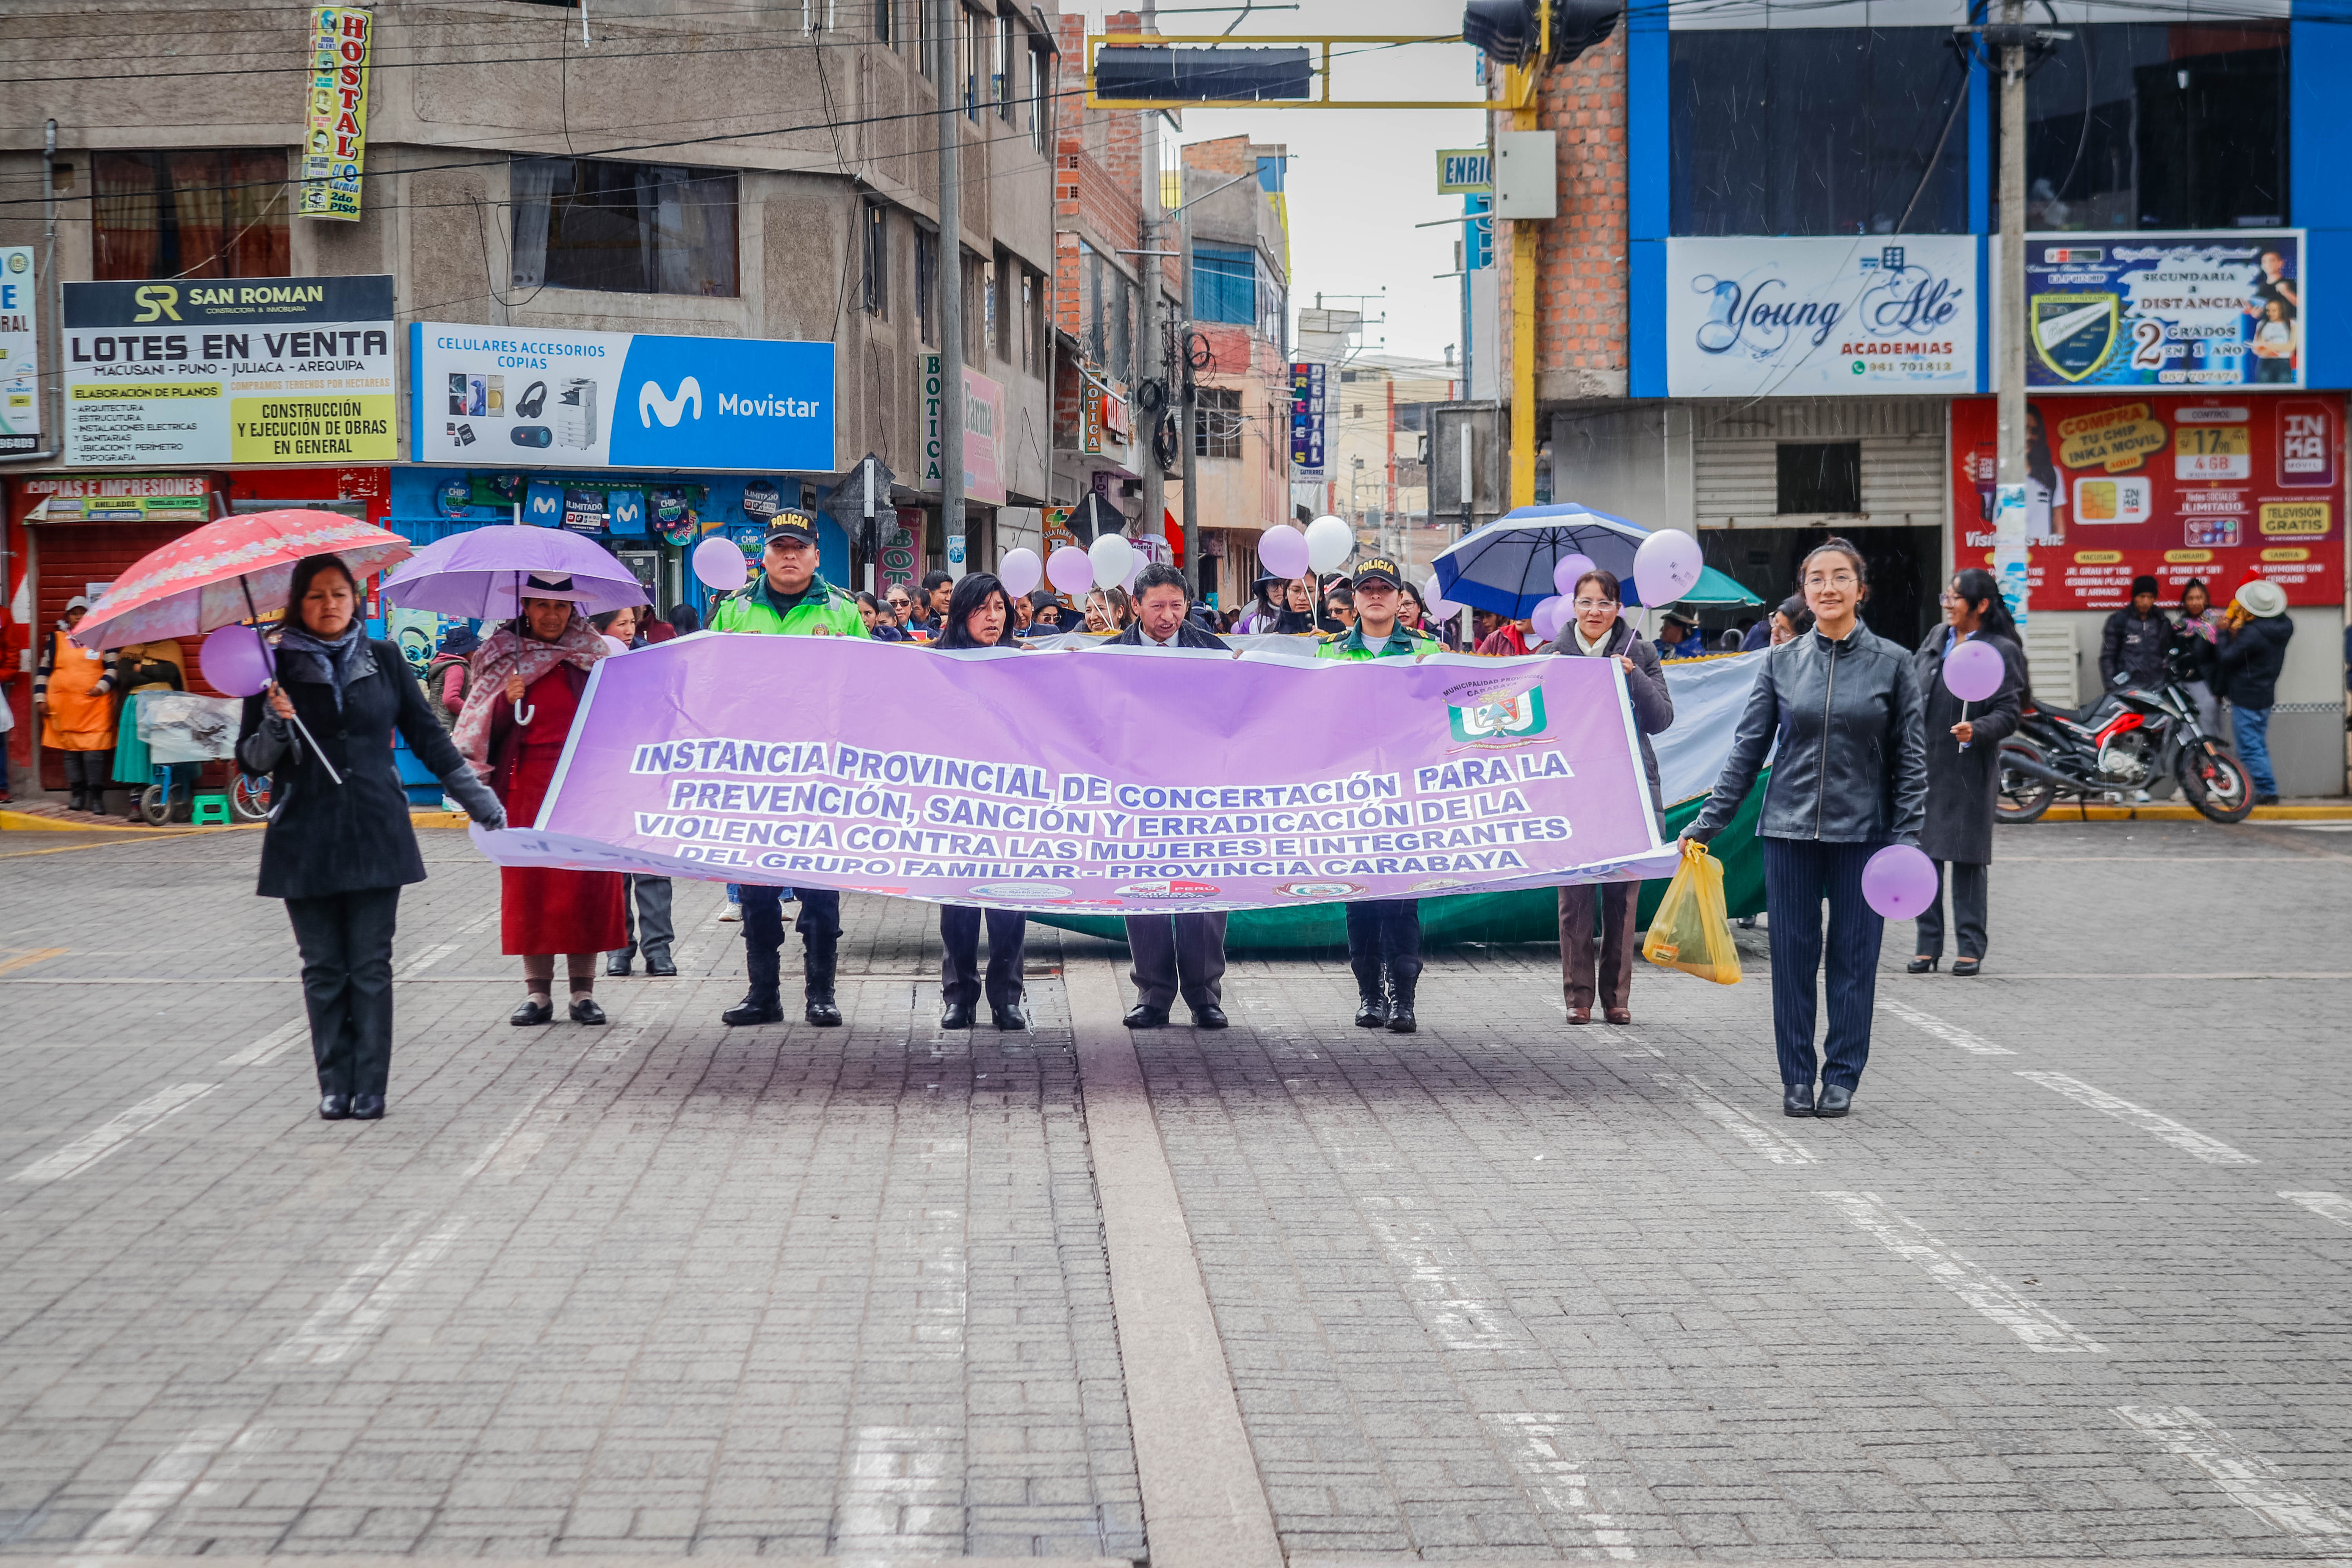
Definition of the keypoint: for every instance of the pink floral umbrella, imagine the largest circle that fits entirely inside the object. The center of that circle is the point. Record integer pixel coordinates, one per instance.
(229, 571)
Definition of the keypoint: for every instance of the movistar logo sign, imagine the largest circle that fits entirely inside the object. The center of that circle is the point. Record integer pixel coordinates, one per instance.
(769, 407)
(652, 402)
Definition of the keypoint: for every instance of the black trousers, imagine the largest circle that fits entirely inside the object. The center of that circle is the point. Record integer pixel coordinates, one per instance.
(1971, 896)
(1799, 875)
(1008, 941)
(346, 944)
(1385, 932)
(1170, 955)
(764, 937)
(90, 771)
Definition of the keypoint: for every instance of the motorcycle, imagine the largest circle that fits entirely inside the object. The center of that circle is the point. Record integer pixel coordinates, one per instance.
(2128, 739)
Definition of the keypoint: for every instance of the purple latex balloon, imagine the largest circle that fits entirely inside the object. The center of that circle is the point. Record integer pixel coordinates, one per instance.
(1666, 565)
(1899, 882)
(233, 661)
(1070, 570)
(1974, 671)
(1021, 571)
(1569, 569)
(1281, 550)
(719, 563)
(1550, 614)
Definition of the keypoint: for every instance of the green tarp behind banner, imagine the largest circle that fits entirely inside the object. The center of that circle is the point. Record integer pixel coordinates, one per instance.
(1528, 914)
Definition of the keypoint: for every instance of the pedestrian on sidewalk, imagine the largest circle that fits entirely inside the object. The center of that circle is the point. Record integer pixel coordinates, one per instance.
(1383, 934)
(1606, 911)
(2252, 651)
(2197, 637)
(979, 616)
(528, 683)
(449, 674)
(1849, 778)
(787, 598)
(2132, 645)
(1963, 751)
(1297, 613)
(1172, 955)
(339, 847)
(73, 703)
(645, 915)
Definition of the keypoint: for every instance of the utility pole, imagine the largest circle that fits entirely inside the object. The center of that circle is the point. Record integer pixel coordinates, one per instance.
(950, 285)
(1521, 83)
(1150, 325)
(1192, 469)
(2012, 544)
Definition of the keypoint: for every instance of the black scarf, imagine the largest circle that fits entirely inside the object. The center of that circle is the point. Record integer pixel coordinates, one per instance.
(332, 662)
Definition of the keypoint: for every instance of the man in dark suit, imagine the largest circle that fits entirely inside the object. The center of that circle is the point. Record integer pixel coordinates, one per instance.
(1172, 954)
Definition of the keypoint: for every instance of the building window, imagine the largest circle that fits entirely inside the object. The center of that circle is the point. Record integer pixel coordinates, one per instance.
(214, 213)
(628, 228)
(978, 314)
(878, 259)
(883, 31)
(1818, 130)
(2133, 125)
(1040, 97)
(1032, 320)
(1818, 477)
(1001, 89)
(1217, 422)
(1224, 284)
(927, 284)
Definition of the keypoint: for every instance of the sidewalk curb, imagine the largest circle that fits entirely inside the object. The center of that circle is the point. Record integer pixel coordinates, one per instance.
(2161, 810)
(41, 822)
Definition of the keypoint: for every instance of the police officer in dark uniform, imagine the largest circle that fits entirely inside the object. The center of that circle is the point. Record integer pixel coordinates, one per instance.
(1383, 934)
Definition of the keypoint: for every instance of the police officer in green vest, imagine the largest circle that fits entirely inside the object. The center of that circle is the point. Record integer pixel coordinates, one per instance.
(787, 598)
(1383, 934)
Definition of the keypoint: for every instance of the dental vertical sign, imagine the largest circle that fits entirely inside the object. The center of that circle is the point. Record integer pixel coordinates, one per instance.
(334, 141)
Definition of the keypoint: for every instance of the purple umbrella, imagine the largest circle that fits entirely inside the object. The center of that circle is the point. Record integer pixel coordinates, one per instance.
(476, 574)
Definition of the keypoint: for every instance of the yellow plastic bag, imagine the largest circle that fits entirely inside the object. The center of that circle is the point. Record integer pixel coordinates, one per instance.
(1690, 932)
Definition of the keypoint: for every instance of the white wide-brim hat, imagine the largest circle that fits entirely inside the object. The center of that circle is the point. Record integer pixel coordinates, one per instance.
(2263, 599)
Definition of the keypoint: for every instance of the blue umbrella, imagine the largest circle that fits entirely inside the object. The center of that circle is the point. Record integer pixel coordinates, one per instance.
(1506, 565)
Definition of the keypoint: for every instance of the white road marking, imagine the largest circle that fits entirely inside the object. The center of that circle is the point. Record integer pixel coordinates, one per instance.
(367, 1295)
(161, 1488)
(425, 959)
(1558, 1483)
(903, 1495)
(1765, 1139)
(2039, 1328)
(2326, 1205)
(2251, 1480)
(1434, 1287)
(1951, 1034)
(270, 1046)
(2186, 1139)
(103, 1139)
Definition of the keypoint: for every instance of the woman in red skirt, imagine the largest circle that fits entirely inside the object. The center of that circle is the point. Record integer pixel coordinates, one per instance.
(527, 686)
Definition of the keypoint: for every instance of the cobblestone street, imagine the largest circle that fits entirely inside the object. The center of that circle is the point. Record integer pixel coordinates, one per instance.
(2071, 1282)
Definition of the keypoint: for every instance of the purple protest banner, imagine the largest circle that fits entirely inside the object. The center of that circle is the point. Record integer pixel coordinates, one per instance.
(1110, 780)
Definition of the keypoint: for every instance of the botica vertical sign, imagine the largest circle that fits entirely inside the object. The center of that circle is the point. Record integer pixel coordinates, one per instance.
(1812, 317)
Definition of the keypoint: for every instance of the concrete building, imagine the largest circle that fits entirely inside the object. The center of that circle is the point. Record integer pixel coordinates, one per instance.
(752, 194)
(1764, 313)
(1378, 475)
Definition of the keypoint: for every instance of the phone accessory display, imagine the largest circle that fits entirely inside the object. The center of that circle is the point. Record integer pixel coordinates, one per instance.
(575, 415)
(534, 399)
(532, 436)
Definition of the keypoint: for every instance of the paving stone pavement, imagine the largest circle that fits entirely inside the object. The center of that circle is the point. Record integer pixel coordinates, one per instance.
(1502, 1289)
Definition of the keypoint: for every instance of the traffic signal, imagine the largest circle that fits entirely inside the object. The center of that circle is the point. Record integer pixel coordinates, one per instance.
(1160, 73)
(1511, 31)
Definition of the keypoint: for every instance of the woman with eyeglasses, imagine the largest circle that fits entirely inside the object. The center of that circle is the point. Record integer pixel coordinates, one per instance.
(1963, 764)
(890, 624)
(1606, 911)
(1849, 777)
(979, 617)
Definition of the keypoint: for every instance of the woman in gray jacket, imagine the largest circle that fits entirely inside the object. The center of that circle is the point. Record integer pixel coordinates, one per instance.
(1607, 908)
(1849, 778)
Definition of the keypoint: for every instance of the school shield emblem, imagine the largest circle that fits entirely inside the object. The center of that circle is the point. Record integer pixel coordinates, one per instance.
(2075, 333)
(1503, 716)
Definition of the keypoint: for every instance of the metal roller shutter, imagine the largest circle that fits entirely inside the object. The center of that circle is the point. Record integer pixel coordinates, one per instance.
(1735, 452)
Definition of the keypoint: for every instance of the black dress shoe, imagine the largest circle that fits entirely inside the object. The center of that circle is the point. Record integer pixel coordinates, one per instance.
(367, 1108)
(1836, 1100)
(334, 1107)
(1797, 1100)
(1925, 967)
(661, 968)
(825, 1013)
(1209, 1017)
(1011, 1018)
(1371, 1012)
(585, 1011)
(752, 1010)
(1141, 1017)
(1965, 967)
(532, 1011)
(956, 1016)
(617, 965)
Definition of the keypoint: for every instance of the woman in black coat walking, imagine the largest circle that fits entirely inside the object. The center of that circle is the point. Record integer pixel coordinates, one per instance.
(979, 616)
(1964, 765)
(339, 847)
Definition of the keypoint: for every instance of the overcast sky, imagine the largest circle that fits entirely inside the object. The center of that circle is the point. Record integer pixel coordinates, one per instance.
(1360, 179)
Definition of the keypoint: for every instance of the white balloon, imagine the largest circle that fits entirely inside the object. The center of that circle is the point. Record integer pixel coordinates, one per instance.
(1329, 541)
(1666, 566)
(614, 644)
(1021, 571)
(1439, 607)
(719, 563)
(1112, 556)
(1070, 571)
(1281, 550)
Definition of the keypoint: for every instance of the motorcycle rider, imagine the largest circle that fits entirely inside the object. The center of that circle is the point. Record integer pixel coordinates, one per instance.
(2131, 649)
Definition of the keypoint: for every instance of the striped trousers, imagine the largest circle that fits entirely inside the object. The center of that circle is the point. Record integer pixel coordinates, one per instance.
(1799, 875)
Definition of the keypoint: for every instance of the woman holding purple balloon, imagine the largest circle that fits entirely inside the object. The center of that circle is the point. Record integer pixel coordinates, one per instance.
(1971, 675)
(1841, 812)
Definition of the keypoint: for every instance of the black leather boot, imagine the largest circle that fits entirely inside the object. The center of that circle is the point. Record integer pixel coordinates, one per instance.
(821, 1009)
(1404, 979)
(760, 1004)
(1371, 996)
